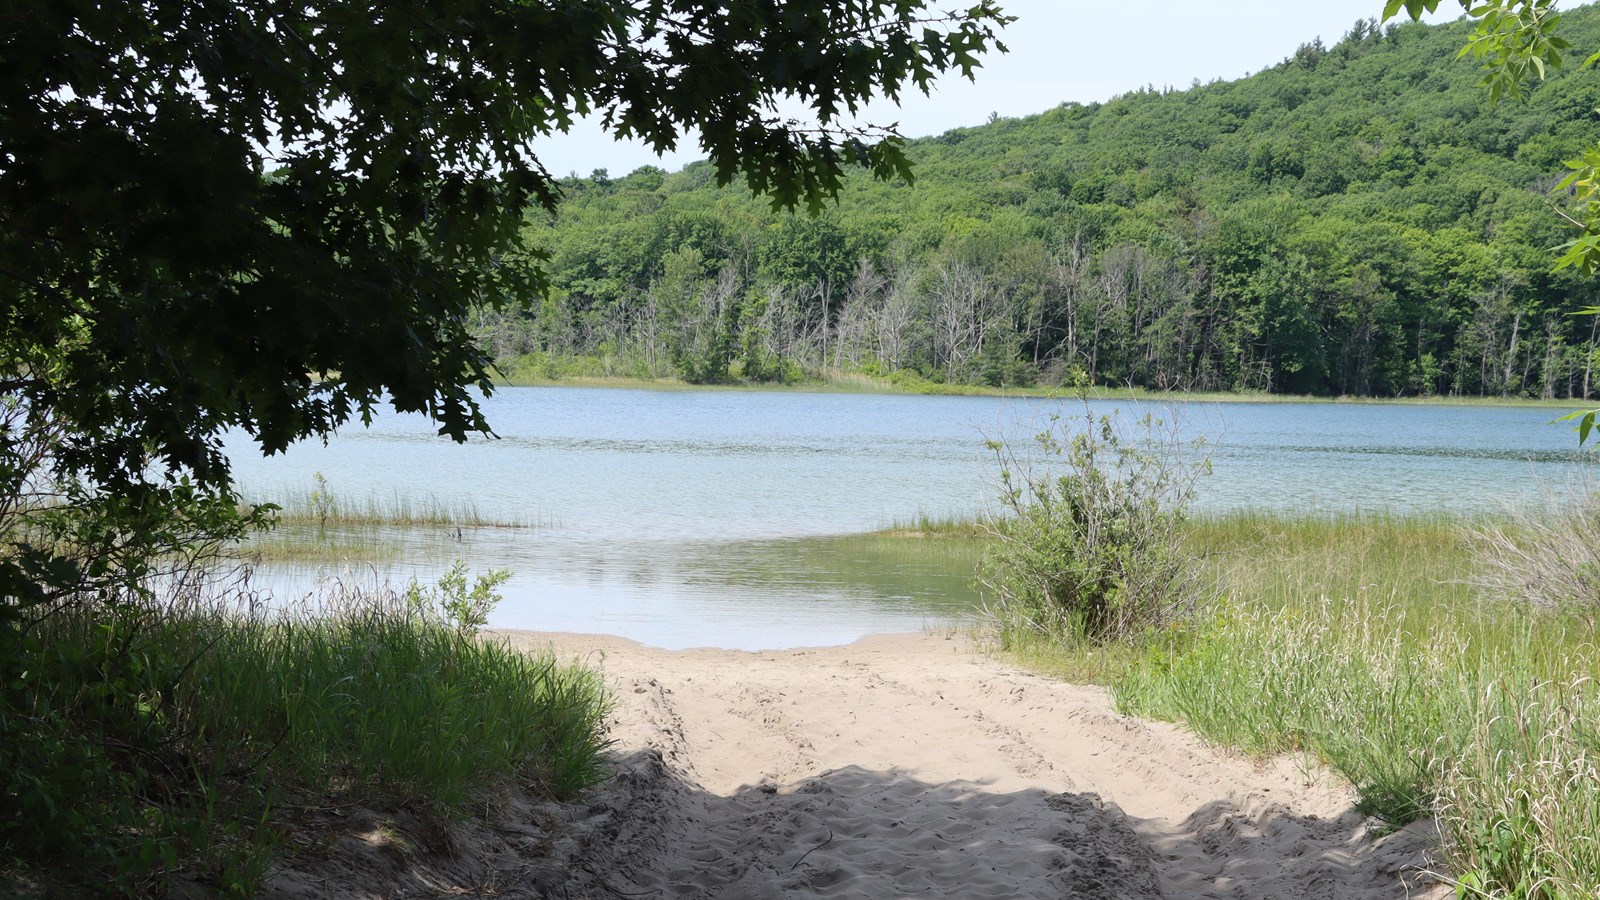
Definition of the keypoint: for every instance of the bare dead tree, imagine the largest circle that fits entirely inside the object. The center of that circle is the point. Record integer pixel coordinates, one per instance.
(896, 321)
(861, 303)
(1068, 276)
(960, 301)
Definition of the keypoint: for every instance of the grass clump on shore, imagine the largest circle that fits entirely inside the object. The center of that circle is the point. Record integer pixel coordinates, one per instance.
(320, 525)
(385, 697)
(235, 720)
(321, 506)
(292, 544)
(941, 528)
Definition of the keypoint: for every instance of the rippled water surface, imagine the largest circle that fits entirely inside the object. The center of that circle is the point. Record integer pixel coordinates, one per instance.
(713, 518)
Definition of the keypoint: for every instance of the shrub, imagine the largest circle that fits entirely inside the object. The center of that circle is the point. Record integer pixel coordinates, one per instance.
(452, 603)
(1090, 547)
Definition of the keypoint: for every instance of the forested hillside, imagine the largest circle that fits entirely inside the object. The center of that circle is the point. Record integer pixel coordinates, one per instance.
(1356, 220)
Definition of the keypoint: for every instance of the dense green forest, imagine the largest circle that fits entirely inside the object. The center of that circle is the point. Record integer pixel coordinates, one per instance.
(1356, 220)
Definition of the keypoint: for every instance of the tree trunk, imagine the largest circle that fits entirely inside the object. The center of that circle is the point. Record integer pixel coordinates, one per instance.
(1511, 354)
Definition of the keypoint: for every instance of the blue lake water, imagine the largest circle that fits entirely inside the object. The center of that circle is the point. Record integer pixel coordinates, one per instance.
(692, 518)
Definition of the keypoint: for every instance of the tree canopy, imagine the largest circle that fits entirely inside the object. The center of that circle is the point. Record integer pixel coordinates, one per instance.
(1516, 42)
(276, 215)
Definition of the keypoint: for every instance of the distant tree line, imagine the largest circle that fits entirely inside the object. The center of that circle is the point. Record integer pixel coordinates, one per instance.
(1354, 221)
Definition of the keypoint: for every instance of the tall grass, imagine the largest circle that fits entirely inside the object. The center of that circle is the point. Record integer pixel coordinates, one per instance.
(945, 528)
(1277, 559)
(1363, 641)
(1520, 804)
(321, 525)
(320, 508)
(1546, 555)
(370, 694)
(242, 718)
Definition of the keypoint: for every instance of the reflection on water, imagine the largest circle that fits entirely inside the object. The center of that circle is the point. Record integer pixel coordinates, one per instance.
(744, 594)
(710, 518)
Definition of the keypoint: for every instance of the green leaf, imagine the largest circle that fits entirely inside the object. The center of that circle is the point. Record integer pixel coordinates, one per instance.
(1585, 420)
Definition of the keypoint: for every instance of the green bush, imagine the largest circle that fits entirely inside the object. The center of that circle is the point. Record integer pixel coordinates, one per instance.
(1091, 548)
(451, 602)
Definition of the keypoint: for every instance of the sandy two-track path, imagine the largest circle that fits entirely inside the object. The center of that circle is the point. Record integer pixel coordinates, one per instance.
(911, 766)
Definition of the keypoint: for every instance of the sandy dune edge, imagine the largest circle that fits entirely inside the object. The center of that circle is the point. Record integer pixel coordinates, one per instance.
(900, 766)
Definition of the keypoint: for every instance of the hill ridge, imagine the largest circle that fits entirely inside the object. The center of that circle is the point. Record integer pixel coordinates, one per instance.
(1353, 220)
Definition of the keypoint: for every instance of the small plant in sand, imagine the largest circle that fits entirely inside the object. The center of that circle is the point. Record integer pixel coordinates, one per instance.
(452, 602)
(1090, 546)
(323, 504)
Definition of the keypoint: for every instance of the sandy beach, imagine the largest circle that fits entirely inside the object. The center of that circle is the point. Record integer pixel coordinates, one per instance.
(899, 766)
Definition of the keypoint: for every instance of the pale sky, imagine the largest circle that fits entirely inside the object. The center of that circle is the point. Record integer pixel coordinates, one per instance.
(1061, 50)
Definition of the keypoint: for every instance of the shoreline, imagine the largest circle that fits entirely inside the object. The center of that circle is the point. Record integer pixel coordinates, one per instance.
(884, 387)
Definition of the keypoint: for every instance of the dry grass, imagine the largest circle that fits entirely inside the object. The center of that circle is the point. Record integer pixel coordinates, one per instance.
(1546, 555)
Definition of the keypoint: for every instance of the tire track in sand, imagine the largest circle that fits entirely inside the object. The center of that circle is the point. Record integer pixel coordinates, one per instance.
(910, 766)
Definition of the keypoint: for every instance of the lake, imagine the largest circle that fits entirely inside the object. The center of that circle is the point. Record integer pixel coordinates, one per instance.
(737, 518)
